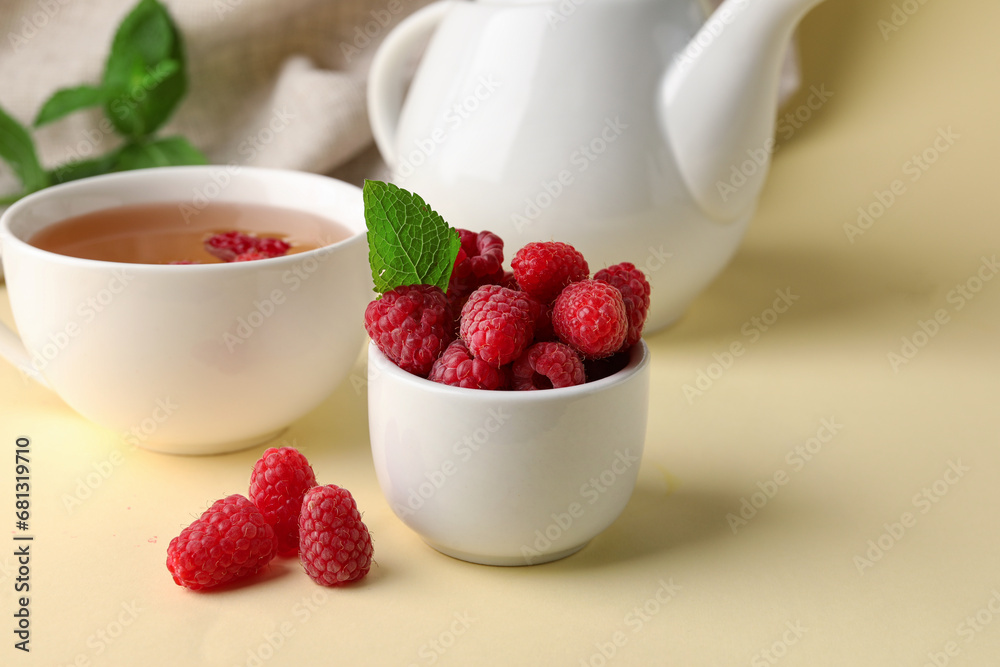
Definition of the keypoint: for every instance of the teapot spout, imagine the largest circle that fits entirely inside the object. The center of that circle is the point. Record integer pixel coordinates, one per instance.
(718, 101)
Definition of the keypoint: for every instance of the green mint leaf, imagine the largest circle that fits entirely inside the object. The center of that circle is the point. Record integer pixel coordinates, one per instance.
(67, 101)
(169, 152)
(72, 171)
(408, 243)
(145, 76)
(18, 150)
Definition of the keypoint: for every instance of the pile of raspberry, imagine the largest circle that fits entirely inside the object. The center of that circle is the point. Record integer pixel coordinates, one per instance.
(544, 324)
(286, 514)
(236, 246)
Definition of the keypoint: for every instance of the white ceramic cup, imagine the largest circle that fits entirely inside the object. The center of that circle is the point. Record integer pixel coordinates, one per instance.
(188, 359)
(507, 477)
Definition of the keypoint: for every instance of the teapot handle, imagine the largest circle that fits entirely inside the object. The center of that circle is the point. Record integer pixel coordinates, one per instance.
(387, 76)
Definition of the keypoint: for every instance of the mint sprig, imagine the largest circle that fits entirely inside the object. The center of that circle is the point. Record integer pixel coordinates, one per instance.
(144, 80)
(408, 242)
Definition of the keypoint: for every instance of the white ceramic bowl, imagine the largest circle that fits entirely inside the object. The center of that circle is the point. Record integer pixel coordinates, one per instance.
(505, 477)
(188, 359)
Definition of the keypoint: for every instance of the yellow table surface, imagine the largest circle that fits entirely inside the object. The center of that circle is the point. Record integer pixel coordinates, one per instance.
(820, 575)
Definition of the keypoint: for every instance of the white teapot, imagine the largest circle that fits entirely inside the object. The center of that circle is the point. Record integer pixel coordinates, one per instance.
(635, 130)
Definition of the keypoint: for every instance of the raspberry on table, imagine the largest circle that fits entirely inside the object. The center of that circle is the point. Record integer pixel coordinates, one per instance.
(230, 540)
(278, 481)
(497, 324)
(589, 316)
(544, 269)
(411, 325)
(458, 368)
(334, 545)
(548, 365)
(632, 283)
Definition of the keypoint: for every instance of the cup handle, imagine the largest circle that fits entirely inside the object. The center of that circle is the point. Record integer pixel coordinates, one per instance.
(13, 350)
(386, 78)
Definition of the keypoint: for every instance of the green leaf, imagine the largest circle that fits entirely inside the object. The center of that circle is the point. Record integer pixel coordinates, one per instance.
(408, 243)
(72, 171)
(145, 76)
(18, 150)
(67, 101)
(169, 152)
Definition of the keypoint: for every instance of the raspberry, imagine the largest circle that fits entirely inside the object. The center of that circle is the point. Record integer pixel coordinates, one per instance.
(497, 324)
(249, 256)
(228, 245)
(234, 246)
(632, 283)
(229, 541)
(590, 317)
(335, 547)
(543, 269)
(277, 483)
(479, 262)
(548, 365)
(541, 313)
(457, 367)
(411, 325)
(270, 247)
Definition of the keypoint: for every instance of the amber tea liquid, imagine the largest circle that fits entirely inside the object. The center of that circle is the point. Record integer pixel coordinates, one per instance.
(160, 234)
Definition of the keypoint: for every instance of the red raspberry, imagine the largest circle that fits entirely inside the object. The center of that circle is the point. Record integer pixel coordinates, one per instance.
(548, 365)
(335, 547)
(457, 367)
(479, 262)
(271, 247)
(542, 315)
(590, 317)
(229, 541)
(234, 246)
(411, 325)
(543, 269)
(277, 483)
(249, 256)
(497, 324)
(228, 245)
(632, 283)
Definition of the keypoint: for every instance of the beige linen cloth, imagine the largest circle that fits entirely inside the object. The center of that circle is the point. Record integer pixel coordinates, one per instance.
(277, 83)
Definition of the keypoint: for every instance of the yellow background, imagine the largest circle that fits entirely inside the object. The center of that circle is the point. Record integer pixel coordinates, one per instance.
(794, 563)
